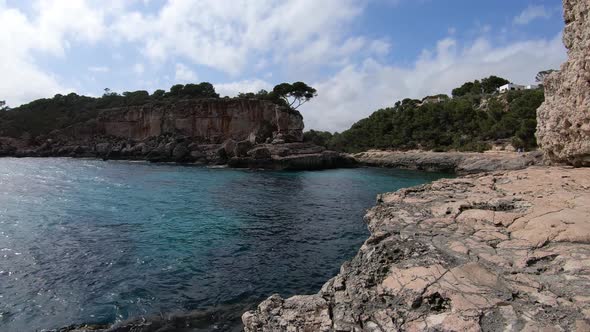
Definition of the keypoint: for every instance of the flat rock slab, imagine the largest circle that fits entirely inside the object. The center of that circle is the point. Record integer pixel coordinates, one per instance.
(503, 251)
(458, 162)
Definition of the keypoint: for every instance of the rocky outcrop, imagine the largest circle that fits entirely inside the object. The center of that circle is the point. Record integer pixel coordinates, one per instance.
(290, 156)
(563, 129)
(239, 132)
(455, 162)
(501, 252)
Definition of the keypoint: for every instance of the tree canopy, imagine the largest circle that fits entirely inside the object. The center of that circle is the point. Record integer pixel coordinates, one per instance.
(294, 95)
(486, 85)
(286, 94)
(542, 75)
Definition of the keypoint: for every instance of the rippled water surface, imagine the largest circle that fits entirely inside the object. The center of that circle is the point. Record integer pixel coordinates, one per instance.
(87, 241)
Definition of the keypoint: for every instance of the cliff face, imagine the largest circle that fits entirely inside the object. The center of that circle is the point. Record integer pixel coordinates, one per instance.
(206, 120)
(563, 129)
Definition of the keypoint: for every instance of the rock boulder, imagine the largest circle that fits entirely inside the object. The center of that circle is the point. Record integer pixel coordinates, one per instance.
(563, 121)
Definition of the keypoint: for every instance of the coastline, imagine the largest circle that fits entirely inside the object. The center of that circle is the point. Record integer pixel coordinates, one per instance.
(507, 248)
(459, 163)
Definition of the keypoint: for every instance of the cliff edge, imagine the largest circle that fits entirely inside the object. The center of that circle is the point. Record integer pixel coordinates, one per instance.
(563, 121)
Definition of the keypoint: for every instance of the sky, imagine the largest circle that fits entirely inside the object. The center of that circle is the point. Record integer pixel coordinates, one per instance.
(361, 55)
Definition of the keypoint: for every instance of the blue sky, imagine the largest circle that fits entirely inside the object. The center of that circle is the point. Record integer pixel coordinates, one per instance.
(359, 54)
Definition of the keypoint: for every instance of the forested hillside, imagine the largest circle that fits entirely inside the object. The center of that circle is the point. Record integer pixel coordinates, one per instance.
(474, 118)
(42, 116)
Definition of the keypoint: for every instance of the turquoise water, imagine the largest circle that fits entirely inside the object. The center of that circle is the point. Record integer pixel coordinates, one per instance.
(88, 241)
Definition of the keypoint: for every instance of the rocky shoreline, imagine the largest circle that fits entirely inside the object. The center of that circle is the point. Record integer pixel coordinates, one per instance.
(505, 250)
(454, 162)
(285, 156)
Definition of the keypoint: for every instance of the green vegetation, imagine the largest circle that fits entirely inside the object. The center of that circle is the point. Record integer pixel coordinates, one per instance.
(322, 138)
(475, 117)
(542, 75)
(487, 85)
(286, 94)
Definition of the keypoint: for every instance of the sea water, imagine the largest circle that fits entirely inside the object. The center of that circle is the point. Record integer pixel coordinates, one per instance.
(89, 241)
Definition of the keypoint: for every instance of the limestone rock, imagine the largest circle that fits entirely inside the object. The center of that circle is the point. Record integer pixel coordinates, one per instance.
(456, 162)
(298, 313)
(563, 120)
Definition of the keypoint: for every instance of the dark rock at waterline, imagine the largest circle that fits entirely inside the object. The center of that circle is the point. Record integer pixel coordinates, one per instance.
(292, 156)
(242, 154)
(224, 318)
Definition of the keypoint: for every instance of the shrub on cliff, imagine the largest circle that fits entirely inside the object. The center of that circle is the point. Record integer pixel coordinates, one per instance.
(321, 138)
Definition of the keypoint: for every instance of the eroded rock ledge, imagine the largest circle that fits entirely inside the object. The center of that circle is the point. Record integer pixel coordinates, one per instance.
(506, 251)
(456, 162)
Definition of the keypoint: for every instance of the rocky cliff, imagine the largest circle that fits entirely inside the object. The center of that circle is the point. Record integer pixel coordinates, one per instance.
(206, 120)
(238, 132)
(563, 129)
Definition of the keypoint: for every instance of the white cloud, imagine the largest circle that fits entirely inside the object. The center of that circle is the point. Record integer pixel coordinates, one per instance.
(531, 13)
(138, 68)
(99, 69)
(184, 74)
(228, 35)
(49, 30)
(232, 89)
(358, 90)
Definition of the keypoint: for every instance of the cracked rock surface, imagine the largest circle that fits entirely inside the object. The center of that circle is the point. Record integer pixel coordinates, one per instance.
(504, 251)
(456, 162)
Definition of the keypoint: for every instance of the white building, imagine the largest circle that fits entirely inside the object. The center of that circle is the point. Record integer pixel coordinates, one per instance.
(514, 87)
(510, 87)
